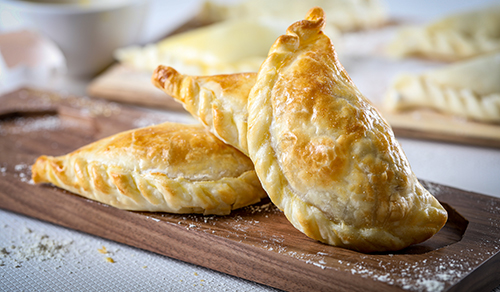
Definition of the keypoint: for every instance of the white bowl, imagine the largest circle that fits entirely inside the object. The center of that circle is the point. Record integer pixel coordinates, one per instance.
(86, 31)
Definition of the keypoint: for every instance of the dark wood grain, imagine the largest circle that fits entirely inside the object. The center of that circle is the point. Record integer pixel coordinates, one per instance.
(255, 243)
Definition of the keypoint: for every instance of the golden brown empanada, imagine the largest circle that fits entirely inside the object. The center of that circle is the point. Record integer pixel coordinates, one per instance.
(452, 38)
(469, 89)
(219, 102)
(169, 167)
(322, 152)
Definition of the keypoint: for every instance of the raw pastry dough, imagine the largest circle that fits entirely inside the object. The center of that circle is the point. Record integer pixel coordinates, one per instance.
(239, 45)
(453, 38)
(345, 15)
(240, 40)
(469, 89)
(323, 153)
(164, 168)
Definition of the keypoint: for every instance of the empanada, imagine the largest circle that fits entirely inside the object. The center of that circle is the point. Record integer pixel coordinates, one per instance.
(345, 15)
(240, 39)
(169, 167)
(469, 89)
(238, 45)
(322, 152)
(219, 102)
(452, 38)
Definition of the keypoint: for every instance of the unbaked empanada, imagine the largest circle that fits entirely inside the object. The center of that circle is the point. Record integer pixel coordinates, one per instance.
(322, 152)
(469, 89)
(169, 167)
(240, 40)
(453, 38)
(239, 45)
(345, 15)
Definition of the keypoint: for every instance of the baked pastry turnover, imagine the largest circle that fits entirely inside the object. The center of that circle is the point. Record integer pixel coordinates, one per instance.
(469, 89)
(322, 152)
(219, 102)
(169, 167)
(452, 38)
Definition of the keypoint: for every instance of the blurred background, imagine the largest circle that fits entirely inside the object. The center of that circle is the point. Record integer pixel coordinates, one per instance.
(108, 49)
(79, 38)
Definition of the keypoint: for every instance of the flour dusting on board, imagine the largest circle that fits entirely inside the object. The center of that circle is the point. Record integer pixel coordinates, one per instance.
(3, 170)
(433, 188)
(23, 125)
(22, 171)
(44, 112)
(88, 106)
(434, 271)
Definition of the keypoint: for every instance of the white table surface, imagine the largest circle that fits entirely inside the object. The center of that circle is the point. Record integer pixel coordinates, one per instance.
(70, 260)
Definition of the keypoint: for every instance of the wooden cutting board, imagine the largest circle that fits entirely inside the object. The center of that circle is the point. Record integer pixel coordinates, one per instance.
(124, 84)
(255, 243)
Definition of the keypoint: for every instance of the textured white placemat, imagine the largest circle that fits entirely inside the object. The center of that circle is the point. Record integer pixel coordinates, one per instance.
(38, 256)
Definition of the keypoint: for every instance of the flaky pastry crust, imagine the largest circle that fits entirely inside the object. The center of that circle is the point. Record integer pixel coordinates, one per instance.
(325, 155)
(169, 167)
(219, 102)
(322, 152)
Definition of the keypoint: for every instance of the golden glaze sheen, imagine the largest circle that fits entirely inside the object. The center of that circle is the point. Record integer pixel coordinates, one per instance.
(326, 157)
(164, 168)
(219, 102)
(323, 153)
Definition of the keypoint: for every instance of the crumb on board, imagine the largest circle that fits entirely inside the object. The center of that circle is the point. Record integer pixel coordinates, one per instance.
(102, 250)
(109, 260)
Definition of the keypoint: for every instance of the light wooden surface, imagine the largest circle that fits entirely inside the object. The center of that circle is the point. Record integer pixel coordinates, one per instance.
(123, 84)
(429, 125)
(256, 243)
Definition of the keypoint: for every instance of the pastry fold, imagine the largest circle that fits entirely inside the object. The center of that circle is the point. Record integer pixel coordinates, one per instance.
(219, 102)
(452, 38)
(322, 152)
(168, 167)
(469, 89)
